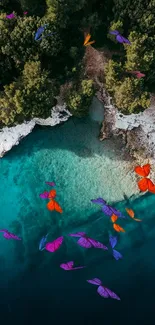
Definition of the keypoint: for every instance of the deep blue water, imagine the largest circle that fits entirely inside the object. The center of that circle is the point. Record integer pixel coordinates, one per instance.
(33, 286)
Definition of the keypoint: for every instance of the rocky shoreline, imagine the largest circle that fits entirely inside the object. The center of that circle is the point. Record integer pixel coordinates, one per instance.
(136, 130)
(10, 137)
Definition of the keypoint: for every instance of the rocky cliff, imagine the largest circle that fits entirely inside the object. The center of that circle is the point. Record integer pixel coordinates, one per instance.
(137, 130)
(10, 137)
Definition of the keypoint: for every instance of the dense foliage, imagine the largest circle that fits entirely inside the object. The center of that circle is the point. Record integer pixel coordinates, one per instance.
(79, 97)
(32, 95)
(31, 72)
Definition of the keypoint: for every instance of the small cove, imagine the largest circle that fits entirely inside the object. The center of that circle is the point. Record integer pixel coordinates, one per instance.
(83, 168)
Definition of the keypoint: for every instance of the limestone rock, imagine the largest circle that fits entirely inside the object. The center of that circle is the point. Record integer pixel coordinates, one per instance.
(11, 136)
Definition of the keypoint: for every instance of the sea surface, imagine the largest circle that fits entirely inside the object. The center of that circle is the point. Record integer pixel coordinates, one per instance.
(33, 287)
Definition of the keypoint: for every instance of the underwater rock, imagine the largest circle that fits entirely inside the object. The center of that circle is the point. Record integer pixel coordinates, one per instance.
(137, 143)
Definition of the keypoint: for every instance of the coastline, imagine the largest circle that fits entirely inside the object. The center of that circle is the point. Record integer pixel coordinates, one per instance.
(115, 130)
(137, 131)
(11, 136)
(113, 163)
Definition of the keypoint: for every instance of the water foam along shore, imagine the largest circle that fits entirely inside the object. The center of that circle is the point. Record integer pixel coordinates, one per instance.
(9, 137)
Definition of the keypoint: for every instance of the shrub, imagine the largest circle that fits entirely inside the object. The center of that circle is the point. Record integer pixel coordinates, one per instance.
(32, 95)
(79, 98)
(130, 98)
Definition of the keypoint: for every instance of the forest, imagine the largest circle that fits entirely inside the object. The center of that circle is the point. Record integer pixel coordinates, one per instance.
(32, 71)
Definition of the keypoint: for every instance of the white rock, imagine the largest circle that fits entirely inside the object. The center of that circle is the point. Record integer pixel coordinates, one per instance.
(119, 121)
(59, 114)
(145, 119)
(10, 137)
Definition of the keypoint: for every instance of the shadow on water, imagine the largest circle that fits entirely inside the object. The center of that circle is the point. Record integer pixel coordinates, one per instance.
(77, 135)
(47, 293)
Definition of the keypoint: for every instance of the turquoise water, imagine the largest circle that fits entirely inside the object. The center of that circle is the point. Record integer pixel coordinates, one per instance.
(33, 287)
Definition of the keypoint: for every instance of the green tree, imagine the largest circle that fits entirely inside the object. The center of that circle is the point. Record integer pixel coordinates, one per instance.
(92, 20)
(32, 95)
(129, 96)
(7, 71)
(112, 75)
(128, 93)
(9, 5)
(138, 15)
(63, 11)
(20, 45)
(115, 26)
(34, 7)
(7, 68)
(140, 55)
(79, 97)
(6, 26)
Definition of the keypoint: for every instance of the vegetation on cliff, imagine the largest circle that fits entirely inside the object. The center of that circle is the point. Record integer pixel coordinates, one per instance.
(32, 72)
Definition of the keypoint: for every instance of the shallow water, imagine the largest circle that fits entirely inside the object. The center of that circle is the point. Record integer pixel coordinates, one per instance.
(33, 287)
